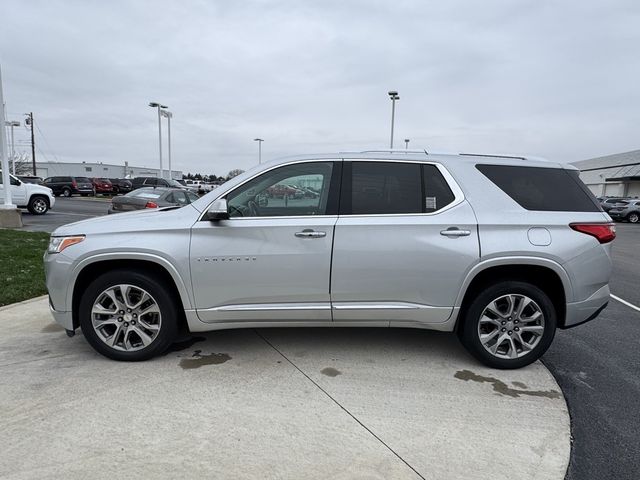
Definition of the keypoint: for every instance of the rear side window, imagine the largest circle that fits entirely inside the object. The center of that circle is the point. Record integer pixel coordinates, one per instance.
(543, 189)
(381, 188)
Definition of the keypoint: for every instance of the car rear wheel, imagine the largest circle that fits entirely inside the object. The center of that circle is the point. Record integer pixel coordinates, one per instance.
(509, 325)
(128, 316)
(633, 217)
(38, 205)
(66, 192)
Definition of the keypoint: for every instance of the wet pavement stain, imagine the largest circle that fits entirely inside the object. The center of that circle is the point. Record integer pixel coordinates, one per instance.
(504, 389)
(198, 360)
(330, 372)
(519, 385)
(52, 328)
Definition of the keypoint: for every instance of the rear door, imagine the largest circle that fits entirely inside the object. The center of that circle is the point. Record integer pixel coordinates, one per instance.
(403, 244)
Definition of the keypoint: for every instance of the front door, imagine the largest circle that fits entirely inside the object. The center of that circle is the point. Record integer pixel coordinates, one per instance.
(403, 243)
(271, 260)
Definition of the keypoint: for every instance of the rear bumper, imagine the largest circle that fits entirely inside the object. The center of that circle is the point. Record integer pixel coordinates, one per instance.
(581, 312)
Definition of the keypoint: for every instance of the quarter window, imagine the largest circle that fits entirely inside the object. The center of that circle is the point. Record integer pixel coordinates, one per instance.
(437, 193)
(292, 190)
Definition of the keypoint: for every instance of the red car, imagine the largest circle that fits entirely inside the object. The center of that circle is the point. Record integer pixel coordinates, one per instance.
(102, 185)
(280, 191)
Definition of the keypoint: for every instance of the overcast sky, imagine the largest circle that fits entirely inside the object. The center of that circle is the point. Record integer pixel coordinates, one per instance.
(555, 79)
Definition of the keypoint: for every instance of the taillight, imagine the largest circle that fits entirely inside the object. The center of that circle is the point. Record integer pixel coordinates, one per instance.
(74, 184)
(151, 205)
(604, 232)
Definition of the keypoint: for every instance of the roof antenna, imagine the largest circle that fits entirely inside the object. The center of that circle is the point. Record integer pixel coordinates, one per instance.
(425, 151)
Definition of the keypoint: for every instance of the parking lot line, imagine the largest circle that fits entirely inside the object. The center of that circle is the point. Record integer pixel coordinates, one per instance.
(631, 305)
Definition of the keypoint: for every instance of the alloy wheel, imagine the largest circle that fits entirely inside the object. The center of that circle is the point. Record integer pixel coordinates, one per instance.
(126, 317)
(511, 326)
(39, 205)
(633, 218)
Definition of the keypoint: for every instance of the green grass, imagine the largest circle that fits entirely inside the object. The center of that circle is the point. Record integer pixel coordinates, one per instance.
(21, 267)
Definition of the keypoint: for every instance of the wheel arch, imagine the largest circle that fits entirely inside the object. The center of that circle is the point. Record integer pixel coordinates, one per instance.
(545, 274)
(158, 267)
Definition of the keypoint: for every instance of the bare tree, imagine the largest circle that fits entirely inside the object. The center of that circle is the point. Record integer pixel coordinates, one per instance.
(234, 173)
(23, 165)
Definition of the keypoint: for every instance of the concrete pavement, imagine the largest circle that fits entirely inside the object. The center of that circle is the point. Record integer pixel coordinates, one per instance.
(272, 403)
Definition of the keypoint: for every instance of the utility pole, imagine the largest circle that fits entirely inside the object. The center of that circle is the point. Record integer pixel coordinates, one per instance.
(29, 122)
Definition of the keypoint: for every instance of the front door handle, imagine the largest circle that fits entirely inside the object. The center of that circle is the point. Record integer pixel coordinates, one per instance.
(308, 233)
(455, 232)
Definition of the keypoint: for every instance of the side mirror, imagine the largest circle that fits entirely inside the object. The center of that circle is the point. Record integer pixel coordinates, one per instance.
(218, 211)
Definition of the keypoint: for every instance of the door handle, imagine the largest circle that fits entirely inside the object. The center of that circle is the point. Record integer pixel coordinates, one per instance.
(308, 233)
(455, 232)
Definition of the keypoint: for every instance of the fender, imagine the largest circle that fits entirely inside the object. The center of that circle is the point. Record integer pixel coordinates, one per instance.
(516, 260)
(184, 293)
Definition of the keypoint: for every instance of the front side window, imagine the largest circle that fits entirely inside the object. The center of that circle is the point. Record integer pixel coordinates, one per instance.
(291, 190)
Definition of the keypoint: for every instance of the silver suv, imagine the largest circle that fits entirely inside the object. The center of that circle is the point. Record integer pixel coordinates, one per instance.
(501, 250)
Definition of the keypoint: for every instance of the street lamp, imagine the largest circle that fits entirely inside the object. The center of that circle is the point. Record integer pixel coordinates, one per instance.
(12, 123)
(168, 115)
(159, 107)
(259, 140)
(393, 95)
(406, 144)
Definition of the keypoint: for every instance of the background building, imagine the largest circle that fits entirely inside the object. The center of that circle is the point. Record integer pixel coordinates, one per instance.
(102, 170)
(614, 175)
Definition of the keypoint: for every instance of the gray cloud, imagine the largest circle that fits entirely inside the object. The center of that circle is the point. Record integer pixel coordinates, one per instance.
(545, 78)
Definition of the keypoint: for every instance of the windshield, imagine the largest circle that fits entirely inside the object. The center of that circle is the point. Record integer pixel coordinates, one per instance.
(173, 183)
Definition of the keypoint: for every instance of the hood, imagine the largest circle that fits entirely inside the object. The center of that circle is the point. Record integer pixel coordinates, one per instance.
(135, 221)
(34, 187)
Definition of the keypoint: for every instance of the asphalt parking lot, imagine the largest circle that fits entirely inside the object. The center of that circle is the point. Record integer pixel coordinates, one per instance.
(597, 366)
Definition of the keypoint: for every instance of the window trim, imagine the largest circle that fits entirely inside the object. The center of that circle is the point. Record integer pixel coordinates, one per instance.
(458, 194)
(333, 190)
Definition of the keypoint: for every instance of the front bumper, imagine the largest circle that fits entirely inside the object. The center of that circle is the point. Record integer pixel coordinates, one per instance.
(65, 319)
(581, 312)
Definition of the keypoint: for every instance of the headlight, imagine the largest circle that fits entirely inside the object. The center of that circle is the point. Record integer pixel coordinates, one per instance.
(58, 244)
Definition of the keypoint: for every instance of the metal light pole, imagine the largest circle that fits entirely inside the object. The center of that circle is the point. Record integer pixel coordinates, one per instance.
(159, 107)
(394, 96)
(13, 123)
(406, 144)
(6, 181)
(259, 140)
(168, 115)
(29, 121)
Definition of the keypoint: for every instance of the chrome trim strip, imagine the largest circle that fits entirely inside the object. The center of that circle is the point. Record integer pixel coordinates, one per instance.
(380, 306)
(261, 307)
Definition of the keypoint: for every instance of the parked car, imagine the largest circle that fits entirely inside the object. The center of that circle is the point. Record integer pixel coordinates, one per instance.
(629, 212)
(281, 191)
(140, 182)
(35, 198)
(151, 198)
(198, 186)
(67, 186)
(500, 250)
(102, 185)
(31, 179)
(121, 185)
(611, 202)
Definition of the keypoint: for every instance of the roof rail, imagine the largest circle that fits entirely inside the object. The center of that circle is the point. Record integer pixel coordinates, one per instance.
(391, 150)
(492, 155)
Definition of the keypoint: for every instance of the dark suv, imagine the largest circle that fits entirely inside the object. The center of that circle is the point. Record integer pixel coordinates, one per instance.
(67, 186)
(121, 185)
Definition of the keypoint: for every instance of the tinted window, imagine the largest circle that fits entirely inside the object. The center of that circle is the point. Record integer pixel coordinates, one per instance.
(151, 181)
(437, 193)
(384, 188)
(546, 189)
(292, 190)
(192, 197)
(83, 180)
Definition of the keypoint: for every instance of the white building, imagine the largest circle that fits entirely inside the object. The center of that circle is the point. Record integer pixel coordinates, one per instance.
(615, 175)
(100, 170)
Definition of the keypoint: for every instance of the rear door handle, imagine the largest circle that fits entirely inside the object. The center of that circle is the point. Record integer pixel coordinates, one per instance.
(308, 233)
(455, 232)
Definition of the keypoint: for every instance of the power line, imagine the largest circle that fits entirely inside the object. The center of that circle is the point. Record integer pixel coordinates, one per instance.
(47, 142)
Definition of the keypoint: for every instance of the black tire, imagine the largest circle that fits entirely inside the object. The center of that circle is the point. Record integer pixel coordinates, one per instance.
(115, 190)
(66, 192)
(469, 334)
(38, 205)
(160, 293)
(633, 217)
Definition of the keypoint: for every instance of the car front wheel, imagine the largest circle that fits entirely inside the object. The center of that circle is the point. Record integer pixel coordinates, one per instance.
(128, 316)
(509, 325)
(38, 205)
(633, 217)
